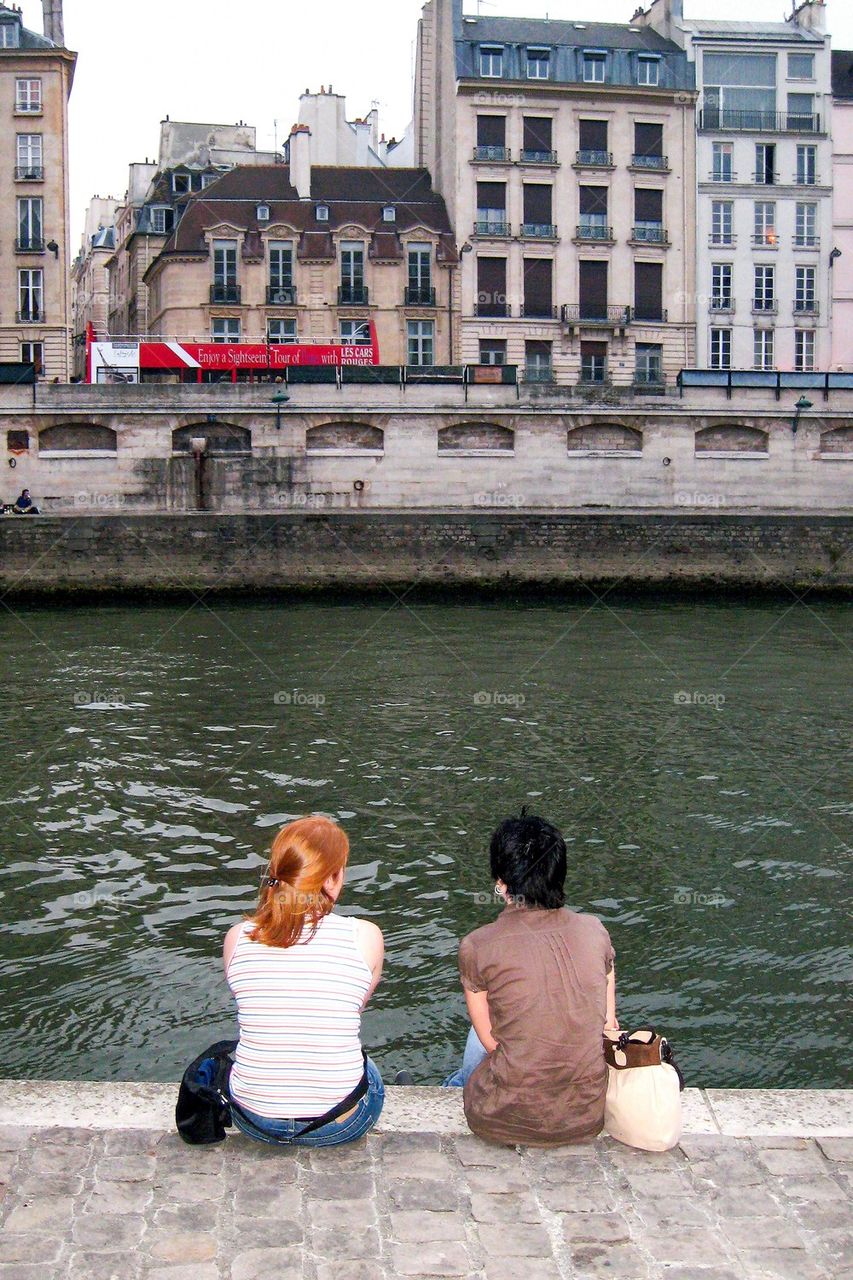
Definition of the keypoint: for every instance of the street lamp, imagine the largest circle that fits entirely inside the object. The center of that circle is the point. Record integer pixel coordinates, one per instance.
(278, 400)
(801, 406)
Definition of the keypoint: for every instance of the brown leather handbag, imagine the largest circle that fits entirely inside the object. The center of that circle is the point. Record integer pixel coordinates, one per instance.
(643, 1106)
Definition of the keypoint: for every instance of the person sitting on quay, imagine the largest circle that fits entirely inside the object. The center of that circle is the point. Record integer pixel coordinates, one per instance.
(540, 987)
(301, 975)
(24, 505)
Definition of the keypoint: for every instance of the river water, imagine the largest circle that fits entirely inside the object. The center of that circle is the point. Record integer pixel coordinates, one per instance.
(697, 757)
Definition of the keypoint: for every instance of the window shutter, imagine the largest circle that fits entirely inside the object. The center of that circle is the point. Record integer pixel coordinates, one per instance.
(491, 285)
(593, 290)
(648, 205)
(593, 200)
(491, 195)
(537, 204)
(593, 135)
(648, 139)
(491, 131)
(538, 133)
(648, 290)
(538, 291)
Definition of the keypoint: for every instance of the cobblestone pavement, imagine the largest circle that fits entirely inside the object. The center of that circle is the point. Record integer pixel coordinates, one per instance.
(125, 1204)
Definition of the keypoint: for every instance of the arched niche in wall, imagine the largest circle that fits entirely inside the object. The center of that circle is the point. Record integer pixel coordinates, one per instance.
(604, 438)
(77, 439)
(731, 438)
(345, 438)
(837, 442)
(476, 438)
(220, 437)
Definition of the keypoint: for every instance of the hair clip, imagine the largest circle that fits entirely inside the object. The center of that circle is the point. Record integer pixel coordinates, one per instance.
(270, 882)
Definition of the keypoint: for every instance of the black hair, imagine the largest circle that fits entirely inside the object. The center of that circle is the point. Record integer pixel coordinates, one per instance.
(529, 855)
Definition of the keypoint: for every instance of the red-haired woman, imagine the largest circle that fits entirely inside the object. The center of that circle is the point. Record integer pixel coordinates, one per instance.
(301, 975)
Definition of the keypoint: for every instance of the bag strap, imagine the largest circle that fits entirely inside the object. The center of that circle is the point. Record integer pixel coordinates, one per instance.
(346, 1104)
(667, 1056)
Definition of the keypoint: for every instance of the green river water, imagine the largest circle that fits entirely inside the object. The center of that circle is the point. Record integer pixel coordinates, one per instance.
(697, 757)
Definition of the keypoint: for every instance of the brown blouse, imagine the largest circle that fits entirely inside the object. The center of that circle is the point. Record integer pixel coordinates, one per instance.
(545, 973)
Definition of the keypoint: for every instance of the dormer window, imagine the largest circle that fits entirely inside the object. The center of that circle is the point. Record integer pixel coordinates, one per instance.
(322, 213)
(491, 61)
(9, 35)
(263, 213)
(648, 70)
(181, 183)
(538, 64)
(389, 213)
(594, 64)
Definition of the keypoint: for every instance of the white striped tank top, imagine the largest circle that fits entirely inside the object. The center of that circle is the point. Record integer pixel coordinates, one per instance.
(299, 1010)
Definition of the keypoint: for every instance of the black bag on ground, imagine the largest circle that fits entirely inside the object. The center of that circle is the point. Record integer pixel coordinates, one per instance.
(203, 1111)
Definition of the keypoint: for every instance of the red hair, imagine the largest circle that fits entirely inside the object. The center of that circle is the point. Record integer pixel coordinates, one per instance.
(303, 856)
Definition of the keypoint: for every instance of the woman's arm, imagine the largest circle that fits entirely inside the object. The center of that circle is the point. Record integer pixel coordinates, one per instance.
(371, 944)
(230, 943)
(478, 1012)
(611, 1022)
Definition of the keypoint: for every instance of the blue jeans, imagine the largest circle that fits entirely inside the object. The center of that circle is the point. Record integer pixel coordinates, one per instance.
(364, 1117)
(475, 1052)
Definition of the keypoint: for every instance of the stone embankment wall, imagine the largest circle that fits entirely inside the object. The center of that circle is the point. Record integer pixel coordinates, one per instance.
(308, 551)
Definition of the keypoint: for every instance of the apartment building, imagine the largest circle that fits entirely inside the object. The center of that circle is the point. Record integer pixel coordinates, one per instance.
(90, 287)
(298, 252)
(565, 151)
(764, 210)
(36, 75)
(841, 254)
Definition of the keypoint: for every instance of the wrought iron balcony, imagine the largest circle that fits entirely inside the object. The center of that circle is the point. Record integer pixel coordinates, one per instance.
(806, 307)
(418, 296)
(491, 227)
(225, 293)
(593, 314)
(30, 315)
(722, 175)
(281, 295)
(29, 244)
(765, 179)
(530, 156)
(593, 231)
(353, 295)
(29, 173)
(649, 162)
(714, 119)
(493, 155)
(538, 231)
(587, 159)
(650, 233)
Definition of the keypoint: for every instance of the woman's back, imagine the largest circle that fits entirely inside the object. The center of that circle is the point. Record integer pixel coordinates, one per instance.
(299, 1010)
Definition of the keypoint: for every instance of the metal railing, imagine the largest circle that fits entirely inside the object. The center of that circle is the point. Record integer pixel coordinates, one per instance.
(353, 295)
(30, 315)
(721, 305)
(594, 375)
(806, 242)
(418, 296)
(721, 241)
(497, 310)
(29, 173)
(225, 293)
(589, 159)
(538, 311)
(804, 307)
(490, 227)
(650, 233)
(712, 118)
(765, 307)
(765, 179)
(582, 313)
(538, 231)
(768, 240)
(593, 231)
(529, 155)
(649, 162)
(538, 373)
(29, 244)
(660, 316)
(493, 155)
(722, 175)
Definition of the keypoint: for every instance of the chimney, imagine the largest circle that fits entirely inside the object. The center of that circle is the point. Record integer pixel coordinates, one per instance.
(300, 160)
(53, 24)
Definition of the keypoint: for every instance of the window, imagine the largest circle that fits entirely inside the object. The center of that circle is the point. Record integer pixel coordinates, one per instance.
(225, 329)
(765, 163)
(721, 348)
(491, 61)
(225, 287)
(538, 145)
(592, 277)
(806, 226)
(648, 363)
(29, 150)
(648, 70)
(162, 220)
(491, 287)
(721, 286)
(648, 146)
(9, 35)
(355, 333)
(538, 64)
(806, 166)
(538, 287)
(762, 348)
(801, 66)
(491, 138)
(592, 142)
(181, 183)
(593, 362)
(648, 291)
(538, 210)
(389, 213)
(352, 272)
(420, 343)
(263, 213)
(804, 291)
(765, 223)
(648, 215)
(281, 264)
(722, 222)
(804, 350)
(322, 213)
(493, 351)
(740, 90)
(207, 178)
(801, 114)
(33, 353)
(722, 169)
(764, 292)
(30, 295)
(280, 332)
(491, 208)
(538, 363)
(30, 223)
(28, 97)
(593, 223)
(420, 291)
(593, 67)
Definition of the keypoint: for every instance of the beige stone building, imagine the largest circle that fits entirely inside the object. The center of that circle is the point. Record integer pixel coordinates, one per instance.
(566, 154)
(299, 253)
(36, 75)
(90, 286)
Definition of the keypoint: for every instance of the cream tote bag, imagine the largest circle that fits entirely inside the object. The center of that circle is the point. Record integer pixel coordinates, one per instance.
(643, 1107)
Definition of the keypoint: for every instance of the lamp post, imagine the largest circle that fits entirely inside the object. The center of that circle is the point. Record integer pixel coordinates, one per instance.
(278, 400)
(801, 406)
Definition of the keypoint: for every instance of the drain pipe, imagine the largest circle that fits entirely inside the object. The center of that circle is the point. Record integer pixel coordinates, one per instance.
(198, 444)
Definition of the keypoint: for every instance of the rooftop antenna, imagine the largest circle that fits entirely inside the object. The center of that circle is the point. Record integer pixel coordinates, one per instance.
(275, 135)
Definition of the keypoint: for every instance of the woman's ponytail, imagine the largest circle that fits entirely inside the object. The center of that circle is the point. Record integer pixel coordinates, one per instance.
(304, 855)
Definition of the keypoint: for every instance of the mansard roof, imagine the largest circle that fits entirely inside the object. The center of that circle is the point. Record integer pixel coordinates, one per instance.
(26, 39)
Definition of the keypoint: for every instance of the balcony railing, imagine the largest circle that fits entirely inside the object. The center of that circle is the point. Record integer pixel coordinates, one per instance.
(30, 315)
(650, 233)
(281, 295)
(765, 179)
(721, 241)
(593, 375)
(538, 311)
(721, 306)
(530, 156)
(497, 310)
(804, 307)
(593, 231)
(713, 119)
(29, 244)
(587, 159)
(353, 295)
(492, 227)
(806, 242)
(767, 240)
(538, 231)
(419, 296)
(29, 173)
(593, 314)
(493, 155)
(649, 162)
(722, 175)
(806, 178)
(538, 373)
(225, 293)
(765, 307)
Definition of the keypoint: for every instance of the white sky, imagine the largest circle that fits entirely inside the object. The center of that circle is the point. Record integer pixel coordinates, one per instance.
(229, 60)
